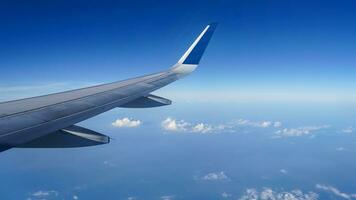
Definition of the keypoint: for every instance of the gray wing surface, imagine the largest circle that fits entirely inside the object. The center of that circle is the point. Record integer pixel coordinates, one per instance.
(48, 121)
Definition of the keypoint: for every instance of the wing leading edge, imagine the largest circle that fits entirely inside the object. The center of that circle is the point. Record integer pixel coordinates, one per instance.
(39, 122)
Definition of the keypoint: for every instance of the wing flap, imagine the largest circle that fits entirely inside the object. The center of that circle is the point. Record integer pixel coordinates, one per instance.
(73, 136)
(147, 102)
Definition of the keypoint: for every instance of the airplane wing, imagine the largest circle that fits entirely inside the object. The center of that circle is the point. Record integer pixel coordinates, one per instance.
(48, 121)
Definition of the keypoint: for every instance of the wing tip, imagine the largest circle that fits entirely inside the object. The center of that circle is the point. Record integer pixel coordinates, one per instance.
(197, 49)
(213, 25)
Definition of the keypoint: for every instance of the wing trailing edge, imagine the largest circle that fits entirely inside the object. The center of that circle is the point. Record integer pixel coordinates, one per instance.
(73, 136)
(147, 102)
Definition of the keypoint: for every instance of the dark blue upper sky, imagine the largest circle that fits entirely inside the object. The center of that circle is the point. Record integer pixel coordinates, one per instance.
(270, 46)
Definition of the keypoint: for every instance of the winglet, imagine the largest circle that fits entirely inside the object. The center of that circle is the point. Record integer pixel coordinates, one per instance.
(193, 55)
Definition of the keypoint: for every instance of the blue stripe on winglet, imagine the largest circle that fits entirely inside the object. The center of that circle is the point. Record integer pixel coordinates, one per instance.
(198, 51)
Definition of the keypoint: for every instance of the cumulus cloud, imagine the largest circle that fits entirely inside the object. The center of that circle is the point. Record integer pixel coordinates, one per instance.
(347, 130)
(277, 124)
(44, 194)
(49, 194)
(202, 128)
(171, 124)
(174, 125)
(250, 194)
(335, 191)
(301, 131)
(269, 194)
(215, 176)
(260, 124)
(126, 122)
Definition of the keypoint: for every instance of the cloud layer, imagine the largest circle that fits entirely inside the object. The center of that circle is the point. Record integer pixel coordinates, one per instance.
(171, 124)
(260, 124)
(335, 191)
(269, 194)
(347, 130)
(301, 131)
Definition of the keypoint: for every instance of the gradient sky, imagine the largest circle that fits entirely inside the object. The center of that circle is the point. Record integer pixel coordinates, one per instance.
(261, 51)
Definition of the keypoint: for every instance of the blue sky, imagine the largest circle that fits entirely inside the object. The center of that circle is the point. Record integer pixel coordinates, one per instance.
(261, 49)
(269, 114)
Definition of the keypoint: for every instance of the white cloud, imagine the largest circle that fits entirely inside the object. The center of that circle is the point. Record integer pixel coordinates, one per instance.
(132, 198)
(335, 191)
(215, 176)
(277, 124)
(250, 194)
(126, 122)
(167, 197)
(347, 130)
(265, 124)
(269, 194)
(260, 124)
(202, 128)
(43, 194)
(174, 125)
(294, 132)
(283, 171)
(49, 194)
(171, 124)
